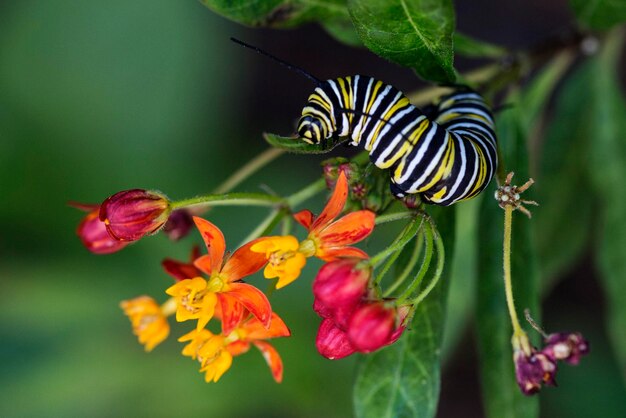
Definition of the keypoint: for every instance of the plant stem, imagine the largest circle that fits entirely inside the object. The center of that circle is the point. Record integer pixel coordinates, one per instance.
(508, 288)
(306, 193)
(230, 199)
(248, 169)
(403, 238)
(417, 250)
(391, 261)
(441, 258)
(428, 253)
(266, 225)
(391, 217)
(169, 307)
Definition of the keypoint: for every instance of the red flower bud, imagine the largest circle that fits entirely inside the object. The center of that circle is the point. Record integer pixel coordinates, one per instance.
(93, 233)
(340, 316)
(341, 283)
(132, 214)
(331, 342)
(372, 326)
(178, 224)
(568, 347)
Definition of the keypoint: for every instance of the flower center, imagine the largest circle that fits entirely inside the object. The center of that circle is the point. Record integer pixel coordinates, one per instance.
(216, 284)
(145, 322)
(308, 247)
(278, 258)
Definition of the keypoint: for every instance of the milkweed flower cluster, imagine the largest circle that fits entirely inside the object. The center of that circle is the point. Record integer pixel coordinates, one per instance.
(359, 313)
(212, 287)
(353, 319)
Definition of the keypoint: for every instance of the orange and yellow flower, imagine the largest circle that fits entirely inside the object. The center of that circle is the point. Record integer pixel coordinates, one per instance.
(215, 352)
(148, 320)
(328, 238)
(198, 297)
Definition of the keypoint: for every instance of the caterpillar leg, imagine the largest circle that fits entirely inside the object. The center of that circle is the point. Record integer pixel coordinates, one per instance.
(396, 190)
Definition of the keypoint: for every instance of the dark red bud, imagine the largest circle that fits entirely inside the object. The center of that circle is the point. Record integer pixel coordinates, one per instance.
(94, 236)
(331, 342)
(178, 224)
(341, 283)
(372, 326)
(131, 214)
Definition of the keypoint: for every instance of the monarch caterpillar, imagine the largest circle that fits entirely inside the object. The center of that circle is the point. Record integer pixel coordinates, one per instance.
(446, 154)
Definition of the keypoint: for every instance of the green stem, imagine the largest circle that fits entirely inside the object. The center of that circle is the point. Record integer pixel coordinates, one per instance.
(403, 238)
(248, 169)
(417, 250)
(392, 217)
(266, 225)
(441, 257)
(428, 253)
(388, 264)
(506, 261)
(306, 193)
(230, 199)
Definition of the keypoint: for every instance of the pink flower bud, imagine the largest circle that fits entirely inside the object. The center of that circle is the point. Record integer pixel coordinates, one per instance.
(178, 225)
(340, 316)
(341, 283)
(568, 347)
(94, 236)
(331, 342)
(372, 326)
(132, 214)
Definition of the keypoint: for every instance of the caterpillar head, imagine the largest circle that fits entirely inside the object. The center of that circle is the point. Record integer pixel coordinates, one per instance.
(312, 129)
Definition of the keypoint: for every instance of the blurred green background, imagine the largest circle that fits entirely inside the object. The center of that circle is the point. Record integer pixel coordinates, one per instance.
(99, 98)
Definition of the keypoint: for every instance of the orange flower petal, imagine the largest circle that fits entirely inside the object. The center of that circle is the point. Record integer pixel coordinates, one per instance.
(333, 253)
(335, 204)
(243, 262)
(272, 358)
(256, 331)
(231, 312)
(237, 348)
(203, 263)
(253, 300)
(348, 230)
(304, 218)
(214, 240)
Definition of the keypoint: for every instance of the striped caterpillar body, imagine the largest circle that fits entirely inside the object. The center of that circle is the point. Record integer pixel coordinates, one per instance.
(446, 156)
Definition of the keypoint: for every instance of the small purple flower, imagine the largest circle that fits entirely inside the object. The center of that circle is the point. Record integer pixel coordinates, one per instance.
(532, 370)
(568, 347)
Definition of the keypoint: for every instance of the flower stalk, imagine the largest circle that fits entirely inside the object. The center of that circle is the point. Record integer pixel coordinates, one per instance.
(506, 264)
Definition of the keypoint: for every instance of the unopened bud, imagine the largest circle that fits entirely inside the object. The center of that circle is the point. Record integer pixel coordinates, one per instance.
(131, 214)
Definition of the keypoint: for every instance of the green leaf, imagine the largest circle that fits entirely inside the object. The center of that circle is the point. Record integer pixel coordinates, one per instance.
(403, 380)
(278, 13)
(343, 31)
(562, 229)
(297, 146)
(463, 265)
(599, 14)
(470, 47)
(604, 129)
(502, 397)
(413, 33)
